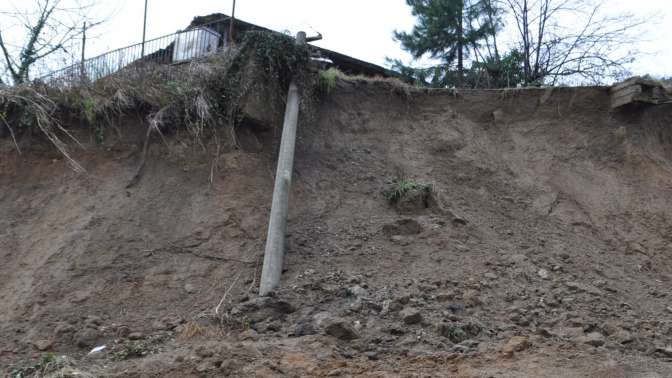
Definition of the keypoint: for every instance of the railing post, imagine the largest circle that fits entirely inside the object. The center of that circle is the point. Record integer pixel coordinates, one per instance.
(82, 69)
(277, 225)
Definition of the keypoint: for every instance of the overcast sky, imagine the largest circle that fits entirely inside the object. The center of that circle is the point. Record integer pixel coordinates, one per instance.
(360, 28)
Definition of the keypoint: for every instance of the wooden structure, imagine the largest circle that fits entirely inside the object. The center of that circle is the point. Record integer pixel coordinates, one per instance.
(640, 90)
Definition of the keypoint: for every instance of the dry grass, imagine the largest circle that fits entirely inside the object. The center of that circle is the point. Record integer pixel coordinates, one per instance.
(194, 330)
(165, 96)
(50, 366)
(394, 83)
(203, 97)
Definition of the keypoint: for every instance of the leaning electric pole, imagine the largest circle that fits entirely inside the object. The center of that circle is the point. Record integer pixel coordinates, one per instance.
(232, 23)
(277, 225)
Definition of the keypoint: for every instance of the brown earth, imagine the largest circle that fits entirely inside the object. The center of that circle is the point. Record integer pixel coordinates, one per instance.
(544, 250)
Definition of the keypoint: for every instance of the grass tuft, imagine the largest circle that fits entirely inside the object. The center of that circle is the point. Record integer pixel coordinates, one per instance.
(327, 80)
(404, 187)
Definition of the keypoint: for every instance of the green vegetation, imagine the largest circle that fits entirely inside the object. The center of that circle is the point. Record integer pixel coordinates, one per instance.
(504, 72)
(48, 365)
(458, 332)
(88, 107)
(460, 40)
(279, 56)
(456, 335)
(327, 80)
(402, 188)
(130, 349)
(447, 31)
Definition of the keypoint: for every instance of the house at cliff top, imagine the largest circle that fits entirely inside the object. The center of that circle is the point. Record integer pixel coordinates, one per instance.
(205, 35)
(204, 30)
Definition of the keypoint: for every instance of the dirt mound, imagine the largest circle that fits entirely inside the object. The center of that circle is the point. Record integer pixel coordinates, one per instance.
(544, 249)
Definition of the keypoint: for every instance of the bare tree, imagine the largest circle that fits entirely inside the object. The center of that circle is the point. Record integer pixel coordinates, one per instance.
(572, 39)
(45, 30)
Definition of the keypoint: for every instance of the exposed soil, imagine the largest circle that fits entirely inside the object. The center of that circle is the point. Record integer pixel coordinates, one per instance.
(544, 250)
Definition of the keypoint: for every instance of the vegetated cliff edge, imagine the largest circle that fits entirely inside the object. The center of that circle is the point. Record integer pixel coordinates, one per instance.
(549, 220)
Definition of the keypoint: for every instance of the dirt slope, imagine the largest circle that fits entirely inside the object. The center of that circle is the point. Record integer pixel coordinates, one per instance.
(544, 250)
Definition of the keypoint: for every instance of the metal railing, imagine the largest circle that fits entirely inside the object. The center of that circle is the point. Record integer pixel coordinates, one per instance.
(184, 46)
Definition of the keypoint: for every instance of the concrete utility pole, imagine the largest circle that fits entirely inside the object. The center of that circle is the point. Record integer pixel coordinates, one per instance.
(232, 22)
(277, 225)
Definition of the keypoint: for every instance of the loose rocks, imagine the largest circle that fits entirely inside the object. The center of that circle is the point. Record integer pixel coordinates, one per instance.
(515, 344)
(595, 339)
(410, 315)
(340, 329)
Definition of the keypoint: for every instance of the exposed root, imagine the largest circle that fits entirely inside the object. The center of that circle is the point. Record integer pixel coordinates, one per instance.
(143, 158)
(226, 293)
(39, 110)
(256, 273)
(11, 133)
(215, 162)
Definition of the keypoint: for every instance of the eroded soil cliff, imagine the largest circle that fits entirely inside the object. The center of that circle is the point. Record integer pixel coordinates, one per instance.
(544, 250)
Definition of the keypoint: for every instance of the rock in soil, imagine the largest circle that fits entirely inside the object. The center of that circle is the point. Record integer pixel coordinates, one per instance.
(340, 329)
(623, 337)
(410, 315)
(262, 308)
(595, 339)
(135, 336)
(43, 345)
(87, 338)
(515, 344)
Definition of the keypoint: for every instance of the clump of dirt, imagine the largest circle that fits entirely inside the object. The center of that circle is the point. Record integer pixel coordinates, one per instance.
(542, 251)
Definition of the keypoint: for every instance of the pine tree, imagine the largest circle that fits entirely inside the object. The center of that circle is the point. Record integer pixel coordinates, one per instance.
(446, 30)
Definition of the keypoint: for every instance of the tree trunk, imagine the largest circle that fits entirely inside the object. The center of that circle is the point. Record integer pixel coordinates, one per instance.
(460, 46)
